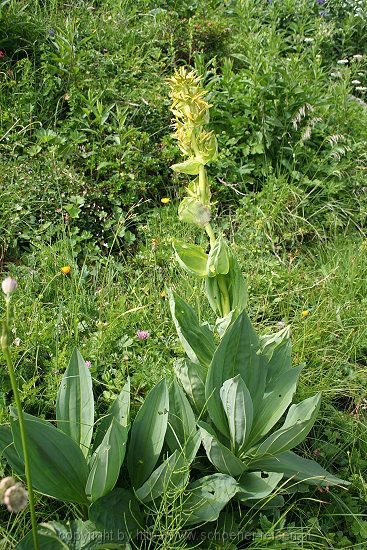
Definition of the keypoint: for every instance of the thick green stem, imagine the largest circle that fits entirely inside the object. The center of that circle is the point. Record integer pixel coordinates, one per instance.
(226, 302)
(9, 362)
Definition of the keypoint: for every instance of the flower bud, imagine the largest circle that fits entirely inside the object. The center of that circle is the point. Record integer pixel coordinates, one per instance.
(9, 285)
(16, 498)
(5, 484)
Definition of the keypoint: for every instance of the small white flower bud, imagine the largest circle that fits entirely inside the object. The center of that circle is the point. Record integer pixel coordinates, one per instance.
(16, 498)
(9, 285)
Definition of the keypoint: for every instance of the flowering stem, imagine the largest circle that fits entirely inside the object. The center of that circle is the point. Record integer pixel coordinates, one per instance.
(9, 362)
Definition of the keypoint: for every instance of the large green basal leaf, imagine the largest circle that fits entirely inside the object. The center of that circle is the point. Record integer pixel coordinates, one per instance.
(182, 434)
(192, 258)
(219, 455)
(207, 497)
(45, 542)
(276, 350)
(75, 403)
(58, 466)
(192, 376)
(120, 410)
(106, 461)
(76, 535)
(7, 449)
(147, 434)
(298, 423)
(197, 340)
(236, 354)
(170, 476)
(275, 402)
(298, 468)
(117, 514)
(237, 404)
(257, 485)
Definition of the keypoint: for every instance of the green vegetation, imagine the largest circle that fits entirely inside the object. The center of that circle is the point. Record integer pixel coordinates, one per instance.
(86, 150)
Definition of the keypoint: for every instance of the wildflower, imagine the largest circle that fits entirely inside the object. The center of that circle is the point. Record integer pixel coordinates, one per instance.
(357, 56)
(2, 54)
(320, 2)
(143, 334)
(17, 342)
(163, 294)
(88, 364)
(16, 498)
(323, 13)
(9, 285)
(356, 81)
(51, 32)
(305, 313)
(317, 452)
(308, 39)
(165, 200)
(5, 484)
(342, 61)
(361, 88)
(65, 270)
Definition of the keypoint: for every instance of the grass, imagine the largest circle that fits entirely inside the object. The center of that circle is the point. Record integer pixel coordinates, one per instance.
(84, 137)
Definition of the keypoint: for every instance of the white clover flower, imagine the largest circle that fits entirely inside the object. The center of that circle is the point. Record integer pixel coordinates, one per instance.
(308, 39)
(342, 61)
(356, 81)
(361, 88)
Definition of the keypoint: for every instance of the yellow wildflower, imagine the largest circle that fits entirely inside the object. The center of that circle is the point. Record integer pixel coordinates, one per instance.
(305, 313)
(165, 200)
(65, 270)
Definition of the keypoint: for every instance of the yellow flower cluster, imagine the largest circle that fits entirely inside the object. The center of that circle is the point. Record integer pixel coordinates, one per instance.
(191, 111)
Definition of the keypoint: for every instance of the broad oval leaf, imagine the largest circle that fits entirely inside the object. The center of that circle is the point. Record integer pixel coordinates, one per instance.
(298, 423)
(197, 340)
(7, 449)
(75, 403)
(117, 514)
(218, 454)
(237, 404)
(192, 377)
(182, 434)
(257, 485)
(58, 466)
(236, 354)
(120, 410)
(106, 461)
(276, 350)
(147, 434)
(207, 497)
(192, 258)
(275, 402)
(171, 475)
(45, 542)
(298, 468)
